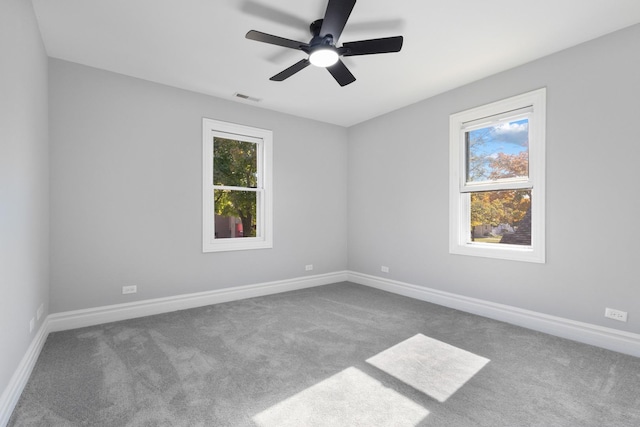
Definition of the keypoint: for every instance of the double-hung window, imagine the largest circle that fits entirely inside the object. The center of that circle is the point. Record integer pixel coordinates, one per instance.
(497, 154)
(237, 207)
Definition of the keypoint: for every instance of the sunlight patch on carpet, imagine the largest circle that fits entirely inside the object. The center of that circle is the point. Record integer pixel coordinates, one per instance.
(430, 366)
(351, 398)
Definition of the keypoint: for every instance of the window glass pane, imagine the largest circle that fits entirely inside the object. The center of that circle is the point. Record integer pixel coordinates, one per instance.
(497, 152)
(501, 217)
(235, 163)
(235, 213)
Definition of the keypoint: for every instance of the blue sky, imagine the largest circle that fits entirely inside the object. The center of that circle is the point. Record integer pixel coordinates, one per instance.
(485, 143)
(508, 138)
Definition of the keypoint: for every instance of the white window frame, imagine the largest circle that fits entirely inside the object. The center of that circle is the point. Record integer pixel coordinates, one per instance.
(264, 216)
(533, 106)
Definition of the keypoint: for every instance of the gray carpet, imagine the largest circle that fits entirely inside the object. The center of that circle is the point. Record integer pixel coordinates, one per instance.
(335, 355)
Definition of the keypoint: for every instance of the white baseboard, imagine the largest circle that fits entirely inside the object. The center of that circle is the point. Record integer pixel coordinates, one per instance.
(612, 339)
(113, 313)
(609, 338)
(12, 392)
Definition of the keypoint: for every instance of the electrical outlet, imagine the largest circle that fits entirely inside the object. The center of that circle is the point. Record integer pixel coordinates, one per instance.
(384, 269)
(308, 267)
(129, 289)
(39, 312)
(32, 324)
(618, 315)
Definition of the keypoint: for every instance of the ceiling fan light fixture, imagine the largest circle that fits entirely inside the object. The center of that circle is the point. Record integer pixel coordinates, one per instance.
(323, 57)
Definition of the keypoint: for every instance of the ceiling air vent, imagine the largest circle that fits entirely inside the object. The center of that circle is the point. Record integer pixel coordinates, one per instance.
(247, 97)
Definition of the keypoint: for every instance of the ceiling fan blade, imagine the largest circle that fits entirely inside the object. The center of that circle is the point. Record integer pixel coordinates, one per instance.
(278, 41)
(373, 46)
(341, 73)
(335, 18)
(300, 65)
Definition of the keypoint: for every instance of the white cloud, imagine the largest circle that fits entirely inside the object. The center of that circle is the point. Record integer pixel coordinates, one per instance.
(513, 133)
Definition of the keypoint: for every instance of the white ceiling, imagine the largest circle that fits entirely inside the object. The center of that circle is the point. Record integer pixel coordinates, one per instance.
(199, 45)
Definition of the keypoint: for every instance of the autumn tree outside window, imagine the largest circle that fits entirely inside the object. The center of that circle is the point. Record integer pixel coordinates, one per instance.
(236, 187)
(497, 179)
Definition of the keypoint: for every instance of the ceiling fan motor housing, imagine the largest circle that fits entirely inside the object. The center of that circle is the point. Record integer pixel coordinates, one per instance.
(315, 27)
(317, 40)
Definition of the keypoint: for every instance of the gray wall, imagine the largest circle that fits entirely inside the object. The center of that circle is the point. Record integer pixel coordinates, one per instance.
(398, 189)
(126, 204)
(24, 186)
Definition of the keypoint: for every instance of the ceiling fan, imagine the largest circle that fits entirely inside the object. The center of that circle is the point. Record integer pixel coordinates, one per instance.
(322, 49)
